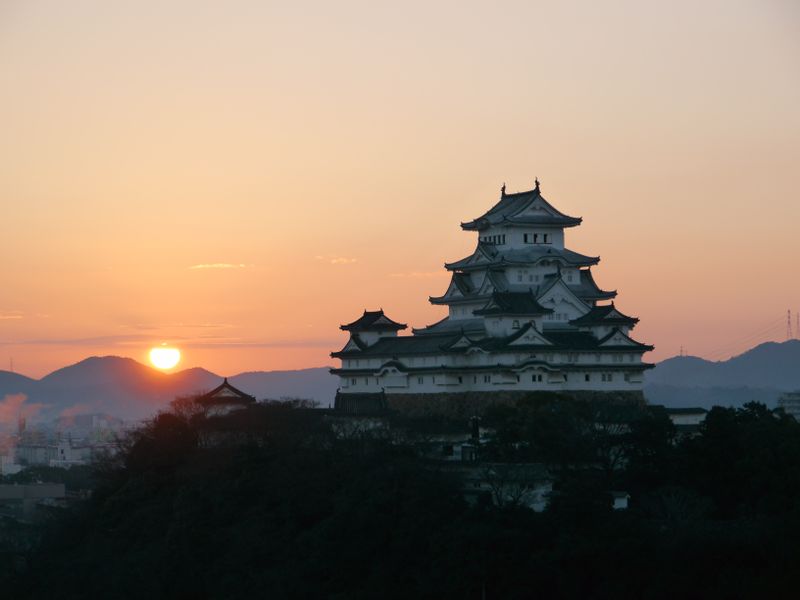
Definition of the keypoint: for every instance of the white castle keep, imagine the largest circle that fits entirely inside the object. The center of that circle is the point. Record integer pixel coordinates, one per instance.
(524, 314)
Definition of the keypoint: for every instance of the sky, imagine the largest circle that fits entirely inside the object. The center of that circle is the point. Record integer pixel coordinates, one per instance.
(239, 178)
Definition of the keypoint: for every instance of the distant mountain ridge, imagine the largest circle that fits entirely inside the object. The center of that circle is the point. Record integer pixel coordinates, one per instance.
(762, 373)
(126, 388)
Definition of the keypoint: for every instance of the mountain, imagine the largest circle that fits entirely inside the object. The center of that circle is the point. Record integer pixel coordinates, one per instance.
(762, 373)
(126, 388)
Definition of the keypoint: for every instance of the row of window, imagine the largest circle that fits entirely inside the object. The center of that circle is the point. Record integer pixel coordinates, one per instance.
(515, 324)
(535, 378)
(498, 239)
(537, 238)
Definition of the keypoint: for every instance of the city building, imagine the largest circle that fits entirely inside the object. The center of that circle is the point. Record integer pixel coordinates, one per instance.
(524, 313)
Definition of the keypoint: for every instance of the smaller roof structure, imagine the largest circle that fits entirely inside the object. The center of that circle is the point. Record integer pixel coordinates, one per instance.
(604, 315)
(373, 321)
(513, 303)
(225, 394)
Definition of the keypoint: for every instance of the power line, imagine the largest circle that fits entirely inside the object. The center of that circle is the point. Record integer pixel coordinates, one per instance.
(767, 328)
(745, 343)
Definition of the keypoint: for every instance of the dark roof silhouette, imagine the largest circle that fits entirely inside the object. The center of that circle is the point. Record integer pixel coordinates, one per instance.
(510, 209)
(513, 303)
(225, 393)
(373, 321)
(605, 314)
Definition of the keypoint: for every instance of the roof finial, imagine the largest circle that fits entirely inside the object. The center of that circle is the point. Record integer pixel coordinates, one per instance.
(503, 190)
(536, 189)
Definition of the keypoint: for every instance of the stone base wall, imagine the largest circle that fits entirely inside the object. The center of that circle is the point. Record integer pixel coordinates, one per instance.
(463, 405)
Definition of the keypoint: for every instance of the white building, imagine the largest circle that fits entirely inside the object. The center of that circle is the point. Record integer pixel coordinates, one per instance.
(524, 313)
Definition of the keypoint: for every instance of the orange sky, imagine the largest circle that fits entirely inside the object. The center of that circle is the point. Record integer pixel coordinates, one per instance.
(328, 151)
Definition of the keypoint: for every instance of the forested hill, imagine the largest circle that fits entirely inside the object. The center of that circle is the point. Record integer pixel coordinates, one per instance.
(281, 506)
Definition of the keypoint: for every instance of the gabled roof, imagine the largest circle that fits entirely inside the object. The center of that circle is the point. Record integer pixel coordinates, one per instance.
(619, 341)
(449, 326)
(566, 292)
(587, 288)
(604, 315)
(373, 321)
(460, 287)
(404, 346)
(225, 393)
(521, 256)
(512, 303)
(522, 209)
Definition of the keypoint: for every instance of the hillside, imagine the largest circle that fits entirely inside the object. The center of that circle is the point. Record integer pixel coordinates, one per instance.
(126, 388)
(762, 373)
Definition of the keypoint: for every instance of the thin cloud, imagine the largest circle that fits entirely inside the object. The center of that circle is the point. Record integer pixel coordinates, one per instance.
(336, 260)
(10, 315)
(419, 274)
(206, 341)
(161, 326)
(219, 266)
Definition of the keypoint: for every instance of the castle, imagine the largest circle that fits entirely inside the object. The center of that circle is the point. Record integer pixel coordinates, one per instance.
(524, 314)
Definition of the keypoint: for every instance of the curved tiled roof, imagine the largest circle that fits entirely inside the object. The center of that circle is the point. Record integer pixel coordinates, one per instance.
(607, 314)
(523, 256)
(510, 209)
(512, 303)
(373, 321)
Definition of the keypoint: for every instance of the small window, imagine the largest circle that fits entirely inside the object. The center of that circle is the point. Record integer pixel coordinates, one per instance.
(460, 379)
(535, 238)
(420, 380)
(515, 325)
(587, 377)
(353, 381)
(546, 238)
(525, 238)
(487, 379)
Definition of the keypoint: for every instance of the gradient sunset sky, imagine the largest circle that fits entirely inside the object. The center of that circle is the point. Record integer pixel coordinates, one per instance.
(239, 178)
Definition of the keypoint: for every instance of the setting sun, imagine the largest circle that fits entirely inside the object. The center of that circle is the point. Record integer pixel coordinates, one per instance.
(163, 357)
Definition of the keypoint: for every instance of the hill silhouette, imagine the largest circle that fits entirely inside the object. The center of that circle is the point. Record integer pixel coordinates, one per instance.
(761, 373)
(126, 388)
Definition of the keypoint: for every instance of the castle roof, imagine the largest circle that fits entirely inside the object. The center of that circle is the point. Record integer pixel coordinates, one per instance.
(487, 255)
(512, 303)
(604, 315)
(225, 393)
(445, 341)
(522, 209)
(373, 321)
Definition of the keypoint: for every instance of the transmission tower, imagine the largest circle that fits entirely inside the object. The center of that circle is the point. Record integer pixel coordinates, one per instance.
(789, 324)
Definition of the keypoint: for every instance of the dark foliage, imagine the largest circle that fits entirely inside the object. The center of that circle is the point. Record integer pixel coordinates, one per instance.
(270, 503)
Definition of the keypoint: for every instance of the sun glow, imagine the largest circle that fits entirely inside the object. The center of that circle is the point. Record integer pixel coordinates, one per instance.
(163, 357)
